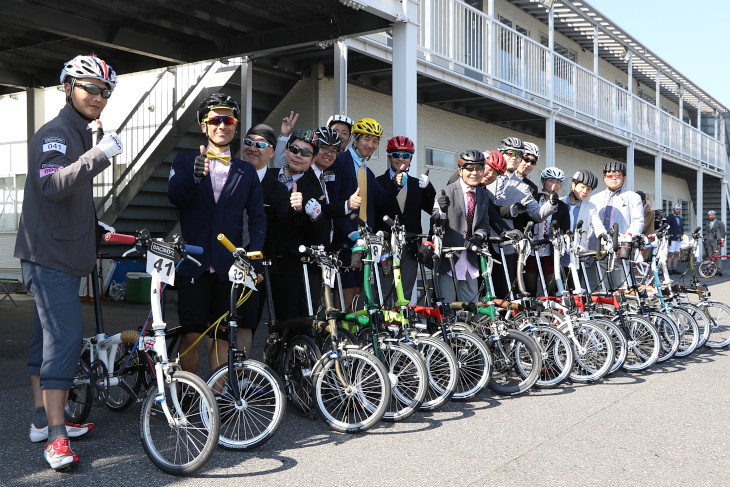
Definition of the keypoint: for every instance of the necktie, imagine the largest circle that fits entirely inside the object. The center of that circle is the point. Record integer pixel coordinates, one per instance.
(214, 155)
(500, 187)
(576, 210)
(609, 211)
(362, 184)
(470, 213)
(402, 194)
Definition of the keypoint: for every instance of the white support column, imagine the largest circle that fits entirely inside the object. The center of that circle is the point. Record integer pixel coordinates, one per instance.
(35, 111)
(246, 94)
(717, 125)
(630, 77)
(551, 53)
(630, 166)
(405, 84)
(491, 47)
(658, 181)
(699, 115)
(596, 47)
(658, 106)
(340, 91)
(723, 205)
(700, 197)
(550, 140)
(681, 103)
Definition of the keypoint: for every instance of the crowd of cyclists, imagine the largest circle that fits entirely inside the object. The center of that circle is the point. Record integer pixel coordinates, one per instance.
(298, 188)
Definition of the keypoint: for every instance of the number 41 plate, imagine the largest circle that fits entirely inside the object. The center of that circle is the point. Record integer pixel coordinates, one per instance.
(161, 261)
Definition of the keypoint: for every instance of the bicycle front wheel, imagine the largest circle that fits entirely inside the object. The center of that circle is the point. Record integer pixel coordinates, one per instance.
(119, 397)
(443, 372)
(517, 363)
(475, 362)
(703, 321)
(185, 444)
(408, 380)
(357, 398)
(707, 268)
(668, 334)
(689, 331)
(301, 355)
(719, 314)
(643, 343)
(262, 405)
(593, 350)
(556, 353)
(620, 344)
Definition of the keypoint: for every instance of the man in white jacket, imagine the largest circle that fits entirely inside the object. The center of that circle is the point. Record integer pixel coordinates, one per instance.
(618, 205)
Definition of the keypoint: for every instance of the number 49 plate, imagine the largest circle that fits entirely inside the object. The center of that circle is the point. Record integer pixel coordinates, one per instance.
(161, 261)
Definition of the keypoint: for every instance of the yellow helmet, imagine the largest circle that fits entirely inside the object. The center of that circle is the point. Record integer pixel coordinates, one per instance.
(367, 126)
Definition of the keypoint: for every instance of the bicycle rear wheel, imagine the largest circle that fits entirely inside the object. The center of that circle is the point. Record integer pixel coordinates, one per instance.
(78, 405)
(703, 321)
(301, 355)
(517, 363)
(442, 369)
(262, 406)
(556, 354)
(719, 314)
(707, 268)
(361, 401)
(668, 334)
(593, 350)
(119, 397)
(620, 344)
(187, 444)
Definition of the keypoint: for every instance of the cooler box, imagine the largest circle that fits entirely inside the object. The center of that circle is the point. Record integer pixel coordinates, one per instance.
(138, 287)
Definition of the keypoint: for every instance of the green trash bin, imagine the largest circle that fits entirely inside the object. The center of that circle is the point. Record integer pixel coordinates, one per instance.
(138, 287)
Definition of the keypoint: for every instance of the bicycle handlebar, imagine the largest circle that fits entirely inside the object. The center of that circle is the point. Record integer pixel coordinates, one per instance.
(388, 221)
(303, 249)
(226, 243)
(193, 249)
(354, 217)
(119, 238)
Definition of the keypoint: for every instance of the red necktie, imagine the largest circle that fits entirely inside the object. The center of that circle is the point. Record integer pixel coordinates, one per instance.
(470, 213)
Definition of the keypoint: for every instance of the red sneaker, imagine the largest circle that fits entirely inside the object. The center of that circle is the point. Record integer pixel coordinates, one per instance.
(59, 455)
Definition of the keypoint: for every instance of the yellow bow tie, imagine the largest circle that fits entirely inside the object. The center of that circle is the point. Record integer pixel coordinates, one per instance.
(214, 155)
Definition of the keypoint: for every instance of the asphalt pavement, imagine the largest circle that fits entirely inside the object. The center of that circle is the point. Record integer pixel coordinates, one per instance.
(667, 426)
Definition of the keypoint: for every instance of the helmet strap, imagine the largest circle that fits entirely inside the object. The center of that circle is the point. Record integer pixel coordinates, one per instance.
(221, 147)
(70, 101)
(357, 151)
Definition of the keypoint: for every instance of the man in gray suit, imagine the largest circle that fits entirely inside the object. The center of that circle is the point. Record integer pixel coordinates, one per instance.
(715, 233)
(461, 209)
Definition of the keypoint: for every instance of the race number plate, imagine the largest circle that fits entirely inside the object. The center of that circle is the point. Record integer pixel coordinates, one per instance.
(329, 274)
(239, 274)
(161, 261)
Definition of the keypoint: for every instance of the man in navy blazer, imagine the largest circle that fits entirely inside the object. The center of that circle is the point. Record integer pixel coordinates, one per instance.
(211, 191)
(366, 137)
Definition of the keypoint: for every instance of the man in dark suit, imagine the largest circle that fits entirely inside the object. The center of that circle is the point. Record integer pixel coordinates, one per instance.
(212, 190)
(308, 223)
(416, 196)
(715, 232)
(258, 148)
(461, 208)
(676, 230)
(355, 179)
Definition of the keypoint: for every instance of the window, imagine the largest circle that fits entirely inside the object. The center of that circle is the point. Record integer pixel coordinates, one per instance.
(514, 25)
(11, 201)
(441, 158)
(559, 48)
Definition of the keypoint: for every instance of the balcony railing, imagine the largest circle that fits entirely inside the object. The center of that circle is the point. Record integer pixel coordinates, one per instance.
(463, 39)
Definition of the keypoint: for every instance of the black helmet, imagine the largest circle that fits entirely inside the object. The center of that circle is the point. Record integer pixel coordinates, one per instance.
(328, 136)
(471, 157)
(586, 177)
(615, 166)
(512, 143)
(307, 136)
(217, 100)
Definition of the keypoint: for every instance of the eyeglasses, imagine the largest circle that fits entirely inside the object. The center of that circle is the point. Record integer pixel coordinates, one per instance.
(331, 152)
(297, 150)
(256, 143)
(613, 174)
(473, 168)
(221, 119)
(400, 155)
(94, 90)
(518, 155)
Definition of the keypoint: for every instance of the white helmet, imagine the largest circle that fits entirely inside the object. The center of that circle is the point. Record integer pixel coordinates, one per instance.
(531, 148)
(340, 119)
(552, 173)
(89, 67)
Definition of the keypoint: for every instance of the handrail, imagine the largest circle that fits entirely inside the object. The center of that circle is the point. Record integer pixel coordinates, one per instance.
(461, 38)
(136, 139)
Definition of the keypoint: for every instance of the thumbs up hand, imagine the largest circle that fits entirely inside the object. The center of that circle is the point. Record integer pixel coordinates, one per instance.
(355, 200)
(296, 198)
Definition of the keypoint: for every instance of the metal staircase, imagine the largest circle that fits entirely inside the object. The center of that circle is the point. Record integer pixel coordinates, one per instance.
(132, 194)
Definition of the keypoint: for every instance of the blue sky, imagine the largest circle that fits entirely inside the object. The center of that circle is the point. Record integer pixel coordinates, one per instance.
(692, 36)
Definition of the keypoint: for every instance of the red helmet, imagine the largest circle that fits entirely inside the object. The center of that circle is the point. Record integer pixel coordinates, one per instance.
(496, 161)
(400, 143)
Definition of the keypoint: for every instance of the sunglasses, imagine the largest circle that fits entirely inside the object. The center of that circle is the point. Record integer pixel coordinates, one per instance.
(513, 154)
(221, 119)
(95, 90)
(530, 160)
(298, 150)
(256, 143)
(613, 174)
(473, 168)
(400, 155)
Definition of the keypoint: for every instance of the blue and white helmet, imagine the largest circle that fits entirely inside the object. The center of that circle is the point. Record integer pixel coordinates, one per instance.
(552, 173)
(89, 67)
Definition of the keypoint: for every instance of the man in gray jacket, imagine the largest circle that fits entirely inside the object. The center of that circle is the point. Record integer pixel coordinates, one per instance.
(715, 232)
(56, 244)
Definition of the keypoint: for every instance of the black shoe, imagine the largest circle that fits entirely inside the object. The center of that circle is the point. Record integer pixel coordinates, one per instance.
(719, 273)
